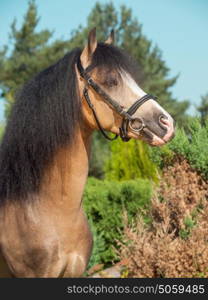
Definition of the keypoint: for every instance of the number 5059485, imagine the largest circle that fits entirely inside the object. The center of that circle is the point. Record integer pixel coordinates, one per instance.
(181, 289)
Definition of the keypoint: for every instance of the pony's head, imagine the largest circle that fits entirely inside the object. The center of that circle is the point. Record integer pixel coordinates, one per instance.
(114, 73)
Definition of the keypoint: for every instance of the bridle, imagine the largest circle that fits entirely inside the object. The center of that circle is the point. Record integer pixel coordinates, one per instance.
(127, 119)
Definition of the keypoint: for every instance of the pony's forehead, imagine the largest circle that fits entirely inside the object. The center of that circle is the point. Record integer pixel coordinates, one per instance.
(110, 58)
(120, 74)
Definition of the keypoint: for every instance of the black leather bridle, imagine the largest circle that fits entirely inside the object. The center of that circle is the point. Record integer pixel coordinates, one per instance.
(127, 119)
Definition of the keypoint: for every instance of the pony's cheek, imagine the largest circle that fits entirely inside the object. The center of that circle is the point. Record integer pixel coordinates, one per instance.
(88, 117)
(105, 115)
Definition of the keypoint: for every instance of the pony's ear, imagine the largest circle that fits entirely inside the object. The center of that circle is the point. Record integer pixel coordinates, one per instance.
(89, 49)
(110, 40)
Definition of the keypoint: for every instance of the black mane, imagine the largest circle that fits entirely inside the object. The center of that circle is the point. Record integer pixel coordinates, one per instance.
(44, 117)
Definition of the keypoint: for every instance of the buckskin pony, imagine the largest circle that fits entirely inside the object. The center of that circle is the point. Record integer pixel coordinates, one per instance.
(44, 155)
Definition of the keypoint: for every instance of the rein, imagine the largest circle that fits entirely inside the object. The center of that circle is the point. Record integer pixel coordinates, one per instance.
(127, 119)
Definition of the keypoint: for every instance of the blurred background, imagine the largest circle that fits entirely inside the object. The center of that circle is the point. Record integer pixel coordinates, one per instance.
(159, 190)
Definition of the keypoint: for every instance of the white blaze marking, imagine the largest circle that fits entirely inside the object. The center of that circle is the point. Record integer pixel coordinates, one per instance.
(162, 110)
(132, 85)
(130, 82)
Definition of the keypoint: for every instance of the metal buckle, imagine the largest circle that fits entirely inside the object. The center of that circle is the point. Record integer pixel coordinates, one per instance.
(137, 130)
(89, 81)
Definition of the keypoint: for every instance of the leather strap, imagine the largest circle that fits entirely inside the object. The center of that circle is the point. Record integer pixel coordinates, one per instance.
(125, 123)
(86, 95)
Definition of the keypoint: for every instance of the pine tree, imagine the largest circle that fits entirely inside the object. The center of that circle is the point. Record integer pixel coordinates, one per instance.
(31, 53)
(203, 108)
(130, 161)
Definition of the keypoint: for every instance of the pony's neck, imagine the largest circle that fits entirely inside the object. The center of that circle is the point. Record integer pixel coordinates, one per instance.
(65, 179)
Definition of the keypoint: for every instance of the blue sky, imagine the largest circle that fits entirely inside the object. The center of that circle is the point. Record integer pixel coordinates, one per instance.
(178, 27)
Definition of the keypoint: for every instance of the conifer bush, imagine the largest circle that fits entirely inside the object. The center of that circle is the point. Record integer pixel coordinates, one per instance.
(130, 161)
(192, 145)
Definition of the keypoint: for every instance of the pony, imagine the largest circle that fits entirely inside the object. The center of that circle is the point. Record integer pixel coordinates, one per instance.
(44, 155)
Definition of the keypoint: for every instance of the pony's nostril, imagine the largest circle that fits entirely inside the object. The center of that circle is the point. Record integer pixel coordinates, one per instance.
(163, 121)
(162, 118)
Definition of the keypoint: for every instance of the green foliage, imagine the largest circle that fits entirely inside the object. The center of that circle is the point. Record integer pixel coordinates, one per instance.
(104, 203)
(161, 156)
(189, 224)
(130, 161)
(192, 145)
(100, 152)
(99, 245)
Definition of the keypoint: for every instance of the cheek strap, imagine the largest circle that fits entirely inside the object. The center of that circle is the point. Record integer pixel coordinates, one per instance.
(91, 106)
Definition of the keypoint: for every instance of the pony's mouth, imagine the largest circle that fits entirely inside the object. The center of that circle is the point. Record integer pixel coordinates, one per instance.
(157, 141)
(153, 139)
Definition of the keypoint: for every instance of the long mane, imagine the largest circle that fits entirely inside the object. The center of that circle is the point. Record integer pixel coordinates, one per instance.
(44, 118)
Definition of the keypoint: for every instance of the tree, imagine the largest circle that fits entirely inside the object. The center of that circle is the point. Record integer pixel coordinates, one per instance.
(31, 52)
(203, 108)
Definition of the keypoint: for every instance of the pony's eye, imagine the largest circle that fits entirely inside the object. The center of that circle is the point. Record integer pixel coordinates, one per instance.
(110, 82)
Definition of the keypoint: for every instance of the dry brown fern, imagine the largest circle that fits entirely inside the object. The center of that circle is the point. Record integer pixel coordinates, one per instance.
(176, 243)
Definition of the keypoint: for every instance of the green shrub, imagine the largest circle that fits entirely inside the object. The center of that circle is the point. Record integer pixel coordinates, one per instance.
(161, 156)
(130, 161)
(99, 245)
(192, 145)
(104, 203)
(99, 154)
(189, 224)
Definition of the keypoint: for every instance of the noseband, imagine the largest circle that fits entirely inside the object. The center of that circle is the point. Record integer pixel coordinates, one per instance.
(127, 119)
